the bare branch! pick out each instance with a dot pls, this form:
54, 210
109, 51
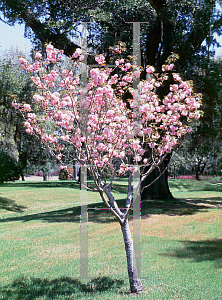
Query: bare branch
112, 201
155, 179
117, 213
153, 166
129, 199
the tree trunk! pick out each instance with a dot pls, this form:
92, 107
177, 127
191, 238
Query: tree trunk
160, 188
134, 280
203, 167
44, 176
23, 177
197, 175
174, 172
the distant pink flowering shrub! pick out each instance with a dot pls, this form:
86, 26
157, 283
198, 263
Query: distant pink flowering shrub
38, 173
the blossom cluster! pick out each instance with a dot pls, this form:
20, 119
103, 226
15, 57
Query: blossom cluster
165, 121
96, 121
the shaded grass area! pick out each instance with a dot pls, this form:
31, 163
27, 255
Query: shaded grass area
199, 251
178, 206
98, 213
181, 246
11, 205
37, 288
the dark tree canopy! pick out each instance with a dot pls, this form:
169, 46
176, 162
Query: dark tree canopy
172, 26
9, 167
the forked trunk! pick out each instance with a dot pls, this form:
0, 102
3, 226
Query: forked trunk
134, 280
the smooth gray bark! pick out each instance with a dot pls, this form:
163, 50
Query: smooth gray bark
134, 280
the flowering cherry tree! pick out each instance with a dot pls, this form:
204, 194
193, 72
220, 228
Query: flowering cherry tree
104, 130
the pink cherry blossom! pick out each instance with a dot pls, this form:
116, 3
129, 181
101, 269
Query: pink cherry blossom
100, 59
27, 107
150, 70
38, 55
16, 105
96, 122
170, 67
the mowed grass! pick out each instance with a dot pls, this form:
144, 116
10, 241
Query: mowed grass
181, 244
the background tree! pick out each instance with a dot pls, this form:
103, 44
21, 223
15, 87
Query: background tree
202, 160
13, 81
204, 145
172, 26
9, 167
180, 26
15, 85
35, 156
63, 174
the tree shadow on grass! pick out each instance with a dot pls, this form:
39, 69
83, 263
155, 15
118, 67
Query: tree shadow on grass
45, 184
179, 207
199, 251
117, 187
65, 287
97, 213
10, 205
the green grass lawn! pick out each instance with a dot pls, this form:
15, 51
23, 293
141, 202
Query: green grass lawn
181, 244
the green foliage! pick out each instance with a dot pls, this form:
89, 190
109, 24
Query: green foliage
178, 26
14, 83
36, 156
9, 169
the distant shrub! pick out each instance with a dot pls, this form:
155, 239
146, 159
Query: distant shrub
187, 177
184, 177
38, 173
9, 168
63, 174
56, 173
